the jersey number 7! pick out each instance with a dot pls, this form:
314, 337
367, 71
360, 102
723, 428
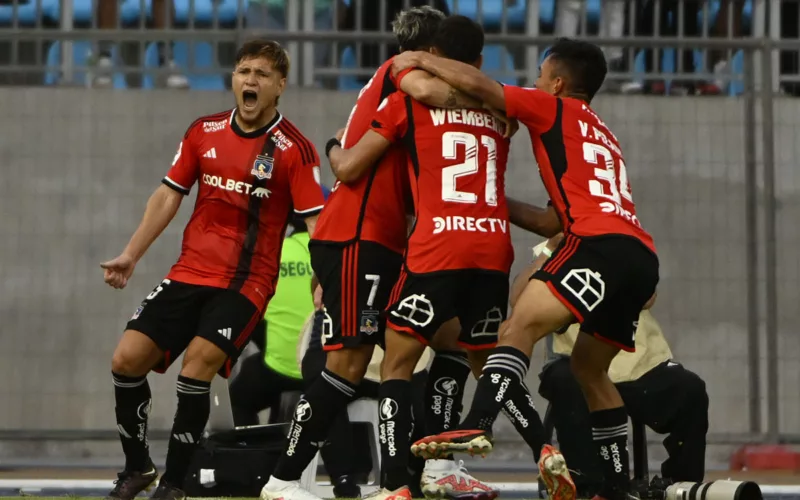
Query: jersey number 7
450, 143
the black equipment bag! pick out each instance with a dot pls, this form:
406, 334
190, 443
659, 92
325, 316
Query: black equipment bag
242, 459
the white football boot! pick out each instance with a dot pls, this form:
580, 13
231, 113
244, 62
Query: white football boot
448, 479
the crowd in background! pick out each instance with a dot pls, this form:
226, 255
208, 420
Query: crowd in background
634, 70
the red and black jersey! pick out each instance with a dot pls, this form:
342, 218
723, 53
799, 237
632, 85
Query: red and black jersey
373, 208
457, 164
248, 185
580, 162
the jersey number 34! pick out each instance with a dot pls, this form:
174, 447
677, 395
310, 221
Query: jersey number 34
470, 166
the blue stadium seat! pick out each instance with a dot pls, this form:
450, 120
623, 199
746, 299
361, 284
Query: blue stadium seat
499, 64
81, 54
737, 61
492, 11
547, 12
348, 60
26, 12
667, 56
130, 11
203, 57
226, 11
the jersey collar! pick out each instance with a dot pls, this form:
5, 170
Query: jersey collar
255, 133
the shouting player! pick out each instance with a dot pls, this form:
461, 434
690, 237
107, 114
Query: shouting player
253, 167
602, 273
357, 253
459, 253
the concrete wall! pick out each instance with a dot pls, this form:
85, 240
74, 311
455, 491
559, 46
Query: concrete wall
77, 168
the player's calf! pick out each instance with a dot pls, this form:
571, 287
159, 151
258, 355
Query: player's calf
395, 426
316, 411
444, 392
132, 360
589, 362
200, 364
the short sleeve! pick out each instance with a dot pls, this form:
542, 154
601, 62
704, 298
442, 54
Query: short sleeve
534, 108
391, 120
185, 168
305, 187
399, 77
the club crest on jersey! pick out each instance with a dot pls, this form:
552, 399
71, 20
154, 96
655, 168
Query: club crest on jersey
369, 322
262, 167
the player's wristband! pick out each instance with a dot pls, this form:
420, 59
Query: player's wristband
331, 143
547, 252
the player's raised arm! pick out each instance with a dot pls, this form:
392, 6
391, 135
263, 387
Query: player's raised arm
161, 209
350, 164
389, 125
542, 221
435, 92
462, 76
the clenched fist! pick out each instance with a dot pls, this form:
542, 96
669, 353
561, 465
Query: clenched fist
117, 271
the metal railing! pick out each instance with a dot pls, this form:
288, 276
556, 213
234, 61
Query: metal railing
317, 32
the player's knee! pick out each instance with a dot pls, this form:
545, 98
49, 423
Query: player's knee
202, 360
586, 370
122, 363
350, 364
135, 355
399, 365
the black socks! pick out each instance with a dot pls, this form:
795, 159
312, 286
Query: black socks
133, 402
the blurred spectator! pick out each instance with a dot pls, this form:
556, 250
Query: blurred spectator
571, 16
728, 24
667, 13
107, 18
369, 19
271, 15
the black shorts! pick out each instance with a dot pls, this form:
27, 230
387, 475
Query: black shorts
174, 313
421, 303
605, 281
356, 281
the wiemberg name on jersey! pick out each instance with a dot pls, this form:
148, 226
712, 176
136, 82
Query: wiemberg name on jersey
467, 117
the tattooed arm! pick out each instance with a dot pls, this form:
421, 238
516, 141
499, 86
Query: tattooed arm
434, 92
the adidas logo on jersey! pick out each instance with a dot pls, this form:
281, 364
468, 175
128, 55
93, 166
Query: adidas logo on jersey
225, 332
211, 153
